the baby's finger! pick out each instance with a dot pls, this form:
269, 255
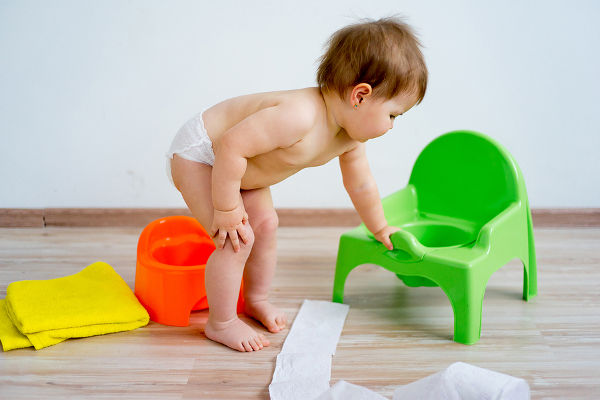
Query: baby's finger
385, 240
221, 239
388, 243
234, 240
241, 230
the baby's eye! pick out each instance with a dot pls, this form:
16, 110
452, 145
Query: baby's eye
392, 116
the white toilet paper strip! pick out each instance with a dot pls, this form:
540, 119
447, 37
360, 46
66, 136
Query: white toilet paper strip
348, 391
300, 389
317, 328
303, 368
461, 381
293, 366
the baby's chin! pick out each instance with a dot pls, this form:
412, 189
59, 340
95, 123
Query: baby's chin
358, 139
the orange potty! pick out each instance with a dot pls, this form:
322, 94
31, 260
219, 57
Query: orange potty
169, 277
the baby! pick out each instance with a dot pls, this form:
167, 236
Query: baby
224, 160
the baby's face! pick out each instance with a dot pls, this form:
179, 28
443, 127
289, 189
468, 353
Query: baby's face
374, 117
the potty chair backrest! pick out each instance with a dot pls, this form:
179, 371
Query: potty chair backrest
465, 175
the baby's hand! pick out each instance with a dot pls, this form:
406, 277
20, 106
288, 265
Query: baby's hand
229, 223
383, 235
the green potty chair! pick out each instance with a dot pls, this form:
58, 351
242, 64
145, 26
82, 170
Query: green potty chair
464, 214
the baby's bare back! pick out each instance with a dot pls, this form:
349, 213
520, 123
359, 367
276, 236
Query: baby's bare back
321, 144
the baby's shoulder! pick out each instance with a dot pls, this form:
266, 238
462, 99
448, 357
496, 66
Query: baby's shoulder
305, 103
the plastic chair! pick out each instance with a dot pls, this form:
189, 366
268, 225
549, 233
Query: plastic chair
169, 277
464, 214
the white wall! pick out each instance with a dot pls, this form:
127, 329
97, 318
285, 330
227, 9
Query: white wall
91, 92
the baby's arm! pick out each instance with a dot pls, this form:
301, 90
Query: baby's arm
361, 187
268, 129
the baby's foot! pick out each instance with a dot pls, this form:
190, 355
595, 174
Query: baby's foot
269, 315
235, 334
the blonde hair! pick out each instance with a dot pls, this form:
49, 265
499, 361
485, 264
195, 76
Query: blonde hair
383, 53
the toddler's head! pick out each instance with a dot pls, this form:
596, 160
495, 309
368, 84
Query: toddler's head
384, 54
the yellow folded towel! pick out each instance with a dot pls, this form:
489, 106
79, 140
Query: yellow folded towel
91, 302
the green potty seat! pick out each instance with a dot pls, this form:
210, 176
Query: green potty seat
463, 215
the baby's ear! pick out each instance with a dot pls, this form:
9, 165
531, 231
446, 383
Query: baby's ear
361, 92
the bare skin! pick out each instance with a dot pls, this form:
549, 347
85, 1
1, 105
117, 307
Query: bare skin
260, 140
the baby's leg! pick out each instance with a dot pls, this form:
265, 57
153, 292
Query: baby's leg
224, 267
260, 266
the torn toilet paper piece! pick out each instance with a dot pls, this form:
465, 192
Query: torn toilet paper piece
293, 366
299, 389
461, 381
317, 328
348, 391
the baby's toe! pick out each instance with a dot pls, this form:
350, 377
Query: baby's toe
264, 340
273, 326
281, 321
240, 347
246, 345
253, 344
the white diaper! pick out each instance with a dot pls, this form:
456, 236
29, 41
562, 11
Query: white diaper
192, 143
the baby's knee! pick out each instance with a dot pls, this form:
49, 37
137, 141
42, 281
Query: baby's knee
266, 224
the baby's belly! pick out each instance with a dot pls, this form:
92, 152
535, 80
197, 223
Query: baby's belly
262, 176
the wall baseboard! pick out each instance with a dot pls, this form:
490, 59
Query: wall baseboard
140, 217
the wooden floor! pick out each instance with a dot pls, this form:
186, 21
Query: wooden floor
393, 335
